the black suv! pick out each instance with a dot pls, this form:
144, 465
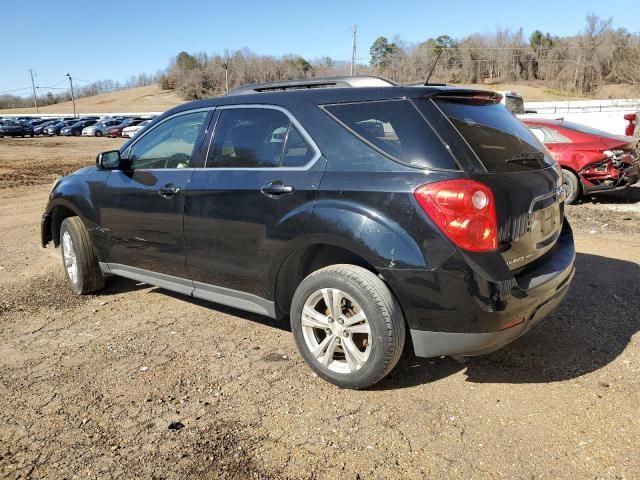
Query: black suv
358, 211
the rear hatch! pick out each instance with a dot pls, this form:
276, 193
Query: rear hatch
523, 176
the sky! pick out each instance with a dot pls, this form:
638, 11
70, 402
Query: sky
118, 39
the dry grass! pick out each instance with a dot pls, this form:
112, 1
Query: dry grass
142, 99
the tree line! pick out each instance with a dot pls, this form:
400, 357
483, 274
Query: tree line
599, 54
581, 63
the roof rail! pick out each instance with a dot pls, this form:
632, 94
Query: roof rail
308, 83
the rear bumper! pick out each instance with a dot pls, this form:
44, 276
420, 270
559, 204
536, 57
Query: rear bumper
460, 309
624, 178
436, 344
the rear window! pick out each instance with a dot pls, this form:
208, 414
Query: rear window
498, 138
397, 129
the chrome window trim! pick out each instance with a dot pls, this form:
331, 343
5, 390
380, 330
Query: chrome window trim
292, 119
140, 136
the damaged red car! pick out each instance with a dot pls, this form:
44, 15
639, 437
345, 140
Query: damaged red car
592, 160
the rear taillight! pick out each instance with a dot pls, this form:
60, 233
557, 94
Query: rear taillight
631, 126
464, 210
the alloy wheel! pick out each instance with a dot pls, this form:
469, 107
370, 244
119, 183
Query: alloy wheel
69, 256
336, 330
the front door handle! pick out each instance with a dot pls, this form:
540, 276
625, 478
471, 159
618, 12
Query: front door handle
277, 187
168, 190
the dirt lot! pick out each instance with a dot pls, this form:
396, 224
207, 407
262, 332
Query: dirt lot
138, 382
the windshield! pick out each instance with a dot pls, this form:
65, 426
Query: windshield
498, 138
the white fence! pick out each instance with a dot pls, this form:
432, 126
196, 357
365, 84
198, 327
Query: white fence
607, 115
585, 106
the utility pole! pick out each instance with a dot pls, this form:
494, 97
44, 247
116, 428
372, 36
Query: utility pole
354, 30
73, 98
226, 75
33, 85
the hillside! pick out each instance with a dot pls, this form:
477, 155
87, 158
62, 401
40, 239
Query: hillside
142, 99
152, 99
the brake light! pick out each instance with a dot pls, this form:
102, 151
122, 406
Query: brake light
464, 210
631, 126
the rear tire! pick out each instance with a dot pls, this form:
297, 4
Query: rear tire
78, 257
363, 344
571, 183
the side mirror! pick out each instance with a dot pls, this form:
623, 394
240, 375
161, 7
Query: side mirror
109, 160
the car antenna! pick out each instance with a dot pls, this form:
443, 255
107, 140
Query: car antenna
426, 82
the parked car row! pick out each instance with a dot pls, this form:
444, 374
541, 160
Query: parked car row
89, 126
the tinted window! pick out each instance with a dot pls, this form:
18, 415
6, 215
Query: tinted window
248, 138
499, 139
396, 128
170, 144
297, 152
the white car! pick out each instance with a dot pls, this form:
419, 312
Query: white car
99, 129
132, 130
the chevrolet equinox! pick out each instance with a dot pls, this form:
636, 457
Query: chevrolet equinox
364, 211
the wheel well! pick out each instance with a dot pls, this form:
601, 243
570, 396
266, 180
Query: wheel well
58, 214
305, 261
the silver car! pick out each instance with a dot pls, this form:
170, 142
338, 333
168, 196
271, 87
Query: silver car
129, 132
99, 129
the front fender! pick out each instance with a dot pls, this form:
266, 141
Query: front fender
78, 193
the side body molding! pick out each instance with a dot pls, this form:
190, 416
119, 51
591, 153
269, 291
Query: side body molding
212, 293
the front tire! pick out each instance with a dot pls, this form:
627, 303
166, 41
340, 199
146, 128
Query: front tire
78, 257
571, 183
98, 133
347, 325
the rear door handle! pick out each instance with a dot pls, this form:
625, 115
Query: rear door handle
277, 187
168, 190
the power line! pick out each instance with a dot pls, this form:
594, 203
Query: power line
16, 90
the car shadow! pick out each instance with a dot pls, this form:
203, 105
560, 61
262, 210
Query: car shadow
630, 196
590, 329
282, 324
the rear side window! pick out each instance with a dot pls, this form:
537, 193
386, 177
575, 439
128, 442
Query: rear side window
257, 138
397, 129
297, 151
548, 135
498, 138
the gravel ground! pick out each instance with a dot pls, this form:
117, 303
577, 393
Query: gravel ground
138, 382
